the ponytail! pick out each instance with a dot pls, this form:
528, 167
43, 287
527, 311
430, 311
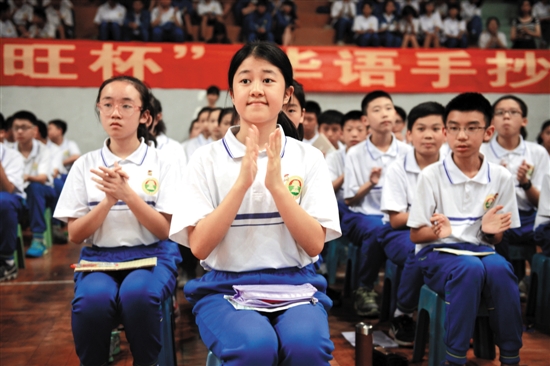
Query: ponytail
143, 132
288, 127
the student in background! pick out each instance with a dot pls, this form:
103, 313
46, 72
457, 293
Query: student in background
364, 180
166, 23
7, 28
210, 13
492, 37
541, 11
260, 24
399, 125
409, 25
40, 26
330, 125
203, 138
389, 26
542, 222
212, 95
60, 15
342, 14
430, 25
286, 20
464, 203
311, 121
219, 35
194, 129
295, 108
41, 132
21, 15
454, 29
68, 149
365, 27
470, 12
425, 131
137, 22
525, 28
543, 137
225, 121
110, 18
12, 194
213, 123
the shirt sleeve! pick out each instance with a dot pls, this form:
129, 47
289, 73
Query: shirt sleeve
332, 164
44, 161
506, 191
541, 168
73, 201
169, 182
352, 181
14, 169
394, 194
73, 148
423, 207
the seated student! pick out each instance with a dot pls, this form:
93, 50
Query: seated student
470, 11
194, 129
342, 14
67, 149
11, 195
541, 11
225, 121
425, 131
464, 202
286, 20
219, 34
212, 95
203, 138
389, 32
400, 118
166, 23
542, 222
7, 28
21, 15
248, 226
40, 26
454, 29
543, 137
60, 15
41, 132
295, 108
525, 28
137, 22
109, 18
430, 25
37, 177
260, 24
120, 201
210, 12
330, 125
492, 38
526, 161
409, 25
212, 123
365, 27
311, 122
363, 183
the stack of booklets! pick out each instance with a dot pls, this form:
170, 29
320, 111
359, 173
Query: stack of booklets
271, 298
89, 266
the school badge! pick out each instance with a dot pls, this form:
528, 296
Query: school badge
295, 185
490, 201
150, 184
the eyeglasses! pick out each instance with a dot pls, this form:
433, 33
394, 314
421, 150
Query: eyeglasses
125, 109
511, 112
468, 131
23, 128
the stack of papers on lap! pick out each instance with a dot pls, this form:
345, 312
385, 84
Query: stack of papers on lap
90, 266
271, 298
463, 252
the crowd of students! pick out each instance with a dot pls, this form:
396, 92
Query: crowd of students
443, 201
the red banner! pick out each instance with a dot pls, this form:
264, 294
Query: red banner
320, 69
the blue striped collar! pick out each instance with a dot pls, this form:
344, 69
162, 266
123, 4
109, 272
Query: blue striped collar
455, 175
137, 157
500, 152
235, 149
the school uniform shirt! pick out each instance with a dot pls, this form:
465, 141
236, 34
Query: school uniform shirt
65, 16
167, 16
485, 38
48, 31
336, 162
543, 212
23, 15
213, 7
110, 15
45, 3
13, 163
7, 29
443, 188
172, 148
452, 27
533, 154
38, 162
152, 176
541, 11
258, 238
360, 23
400, 187
360, 160
193, 144
409, 28
311, 140
9, 145
67, 149
429, 23
469, 10
388, 22
349, 9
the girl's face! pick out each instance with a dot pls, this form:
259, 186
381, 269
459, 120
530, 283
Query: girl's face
212, 124
195, 131
429, 8
508, 118
545, 136
120, 110
453, 12
259, 91
225, 123
367, 11
294, 111
390, 7
493, 26
526, 7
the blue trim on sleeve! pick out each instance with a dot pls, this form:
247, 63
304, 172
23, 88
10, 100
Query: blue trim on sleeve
252, 216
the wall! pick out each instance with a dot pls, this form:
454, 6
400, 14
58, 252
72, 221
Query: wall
77, 107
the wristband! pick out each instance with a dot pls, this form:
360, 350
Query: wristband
526, 186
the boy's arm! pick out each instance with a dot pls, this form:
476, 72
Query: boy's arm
440, 229
5, 184
338, 183
365, 188
398, 219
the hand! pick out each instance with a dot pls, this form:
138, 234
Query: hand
523, 171
25, 177
249, 164
273, 179
441, 225
495, 223
113, 182
375, 175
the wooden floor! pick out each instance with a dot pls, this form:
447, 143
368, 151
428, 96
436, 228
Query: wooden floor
35, 322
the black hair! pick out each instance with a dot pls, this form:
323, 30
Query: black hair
225, 112
330, 117
372, 96
386, 4
192, 124
457, 7
204, 109
423, 6
155, 110
216, 109
26, 115
299, 93
39, 12
544, 126
3, 124
521, 103
523, 132
59, 123
351, 115
401, 112
470, 102
4, 7
313, 107
424, 110
409, 10
9, 122
520, 4
213, 89
42, 128
144, 93
490, 19
274, 55
369, 3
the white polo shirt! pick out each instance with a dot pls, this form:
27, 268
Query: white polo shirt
400, 186
152, 177
388, 22
543, 212
533, 154
444, 150
336, 162
360, 23
67, 149
360, 160
469, 10
429, 23
166, 17
193, 144
258, 238
38, 162
65, 14
409, 28
172, 148
349, 8
541, 11
111, 15
452, 27
23, 15
212, 7
311, 140
7, 29
443, 188
12, 163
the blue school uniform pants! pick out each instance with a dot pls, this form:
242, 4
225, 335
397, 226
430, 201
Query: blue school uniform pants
296, 336
363, 232
110, 31
400, 250
10, 207
103, 300
522, 235
39, 196
542, 238
462, 281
